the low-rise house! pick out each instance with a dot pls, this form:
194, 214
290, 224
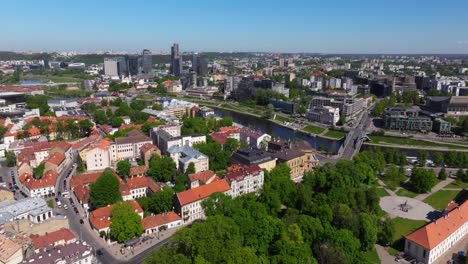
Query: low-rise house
141, 186
254, 138
188, 203
157, 223
201, 178
138, 171
43, 187
147, 151
183, 156
245, 179
11, 250
224, 133
56, 238
73, 253
431, 241
99, 219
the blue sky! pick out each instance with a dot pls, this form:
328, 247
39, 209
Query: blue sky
331, 26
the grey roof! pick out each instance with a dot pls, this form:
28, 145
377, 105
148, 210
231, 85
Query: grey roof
70, 253
33, 205
187, 151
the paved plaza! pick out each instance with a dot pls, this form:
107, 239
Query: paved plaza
404, 207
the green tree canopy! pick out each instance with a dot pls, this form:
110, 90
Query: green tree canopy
123, 168
105, 190
162, 169
125, 223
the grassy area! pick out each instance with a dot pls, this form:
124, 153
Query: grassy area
241, 108
283, 119
381, 192
314, 129
371, 256
391, 183
402, 228
411, 142
406, 192
440, 199
58, 79
145, 97
458, 184
335, 134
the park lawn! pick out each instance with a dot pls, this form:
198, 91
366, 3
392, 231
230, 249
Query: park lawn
403, 227
59, 79
381, 192
392, 184
314, 129
145, 96
411, 142
371, 256
458, 184
283, 119
335, 134
406, 193
440, 199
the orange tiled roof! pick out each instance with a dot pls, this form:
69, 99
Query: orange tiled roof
432, 234
51, 238
100, 218
34, 131
160, 219
31, 183
202, 192
147, 147
137, 182
203, 176
138, 170
56, 158
238, 172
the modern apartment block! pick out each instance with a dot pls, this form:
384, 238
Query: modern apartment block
407, 119
348, 105
245, 179
324, 114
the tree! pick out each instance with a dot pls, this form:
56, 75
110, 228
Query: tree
214, 151
461, 175
190, 168
368, 231
125, 222
100, 117
10, 158
116, 121
231, 146
105, 190
123, 168
438, 158
442, 174
162, 201
80, 165
162, 169
422, 180
386, 231
422, 157
39, 171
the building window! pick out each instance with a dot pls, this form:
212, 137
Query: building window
424, 253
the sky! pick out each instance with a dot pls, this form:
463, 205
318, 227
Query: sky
317, 26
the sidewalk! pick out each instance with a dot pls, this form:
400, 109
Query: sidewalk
436, 188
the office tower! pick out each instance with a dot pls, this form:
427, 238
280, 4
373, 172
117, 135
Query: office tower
199, 64
132, 64
115, 66
146, 61
46, 63
176, 60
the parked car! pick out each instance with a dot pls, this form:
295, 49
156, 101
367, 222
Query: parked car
81, 221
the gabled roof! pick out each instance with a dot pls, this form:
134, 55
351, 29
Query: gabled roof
432, 234
238, 172
159, 220
49, 239
202, 192
202, 176
100, 218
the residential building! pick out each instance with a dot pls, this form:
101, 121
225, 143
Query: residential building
201, 178
99, 219
74, 253
299, 156
224, 133
245, 179
169, 135
253, 156
128, 147
147, 151
33, 209
157, 223
254, 138
141, 186
11, 250
59, 237
431, 241
324, 114
188, 203
97, 156
65, 102
348, 105
406, 119
185, 155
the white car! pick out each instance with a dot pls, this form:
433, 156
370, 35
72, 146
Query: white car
65, 206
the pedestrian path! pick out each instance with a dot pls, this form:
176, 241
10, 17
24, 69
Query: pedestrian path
384, 256
436, 188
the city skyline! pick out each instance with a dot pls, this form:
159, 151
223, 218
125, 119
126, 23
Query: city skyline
360, 27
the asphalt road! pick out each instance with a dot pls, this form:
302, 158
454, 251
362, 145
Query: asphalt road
356, 137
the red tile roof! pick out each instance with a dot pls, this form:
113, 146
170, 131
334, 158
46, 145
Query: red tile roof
49, 239
432, 234
56, 158
160, 219
238, 172
202, 192
147, 147
31, 183
139, 170
100, 218
203, 176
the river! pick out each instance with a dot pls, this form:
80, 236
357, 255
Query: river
276, 130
